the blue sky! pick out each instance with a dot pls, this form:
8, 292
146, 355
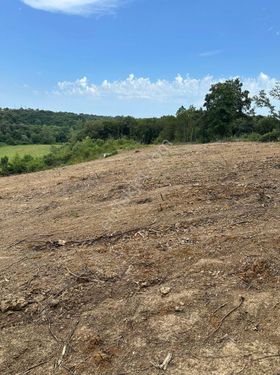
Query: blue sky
137, 57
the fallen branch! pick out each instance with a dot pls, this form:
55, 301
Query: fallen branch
219, 308
107, 237
85, 276
17, 243
12, 264
225, 317
34, 366
266, 357
243, 368
90, 241
51, 332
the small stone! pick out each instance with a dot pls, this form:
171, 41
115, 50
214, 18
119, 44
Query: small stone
179, 308
144, 284
165, 290
4, 306
256, 327
61, 243
54, 302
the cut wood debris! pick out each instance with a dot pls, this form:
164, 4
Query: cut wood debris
164, 365
151, 264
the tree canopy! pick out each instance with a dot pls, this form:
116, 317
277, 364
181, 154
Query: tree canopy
226, 113
225, 103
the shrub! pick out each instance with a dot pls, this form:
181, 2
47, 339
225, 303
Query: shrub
71, 153
272, 136
4, 165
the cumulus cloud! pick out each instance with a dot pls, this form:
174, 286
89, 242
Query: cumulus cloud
187, 89
78, 7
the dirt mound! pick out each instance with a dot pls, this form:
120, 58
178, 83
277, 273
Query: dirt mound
161, 261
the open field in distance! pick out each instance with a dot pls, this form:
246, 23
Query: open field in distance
21, 150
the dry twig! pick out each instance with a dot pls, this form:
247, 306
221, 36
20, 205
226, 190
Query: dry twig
164, 365
219, 308
225, 317
266, 357
65, 346
33, 367
51, 332
12, 264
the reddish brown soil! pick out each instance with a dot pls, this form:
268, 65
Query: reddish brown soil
107, 267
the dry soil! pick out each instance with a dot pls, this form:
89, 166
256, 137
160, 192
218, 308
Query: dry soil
112, 267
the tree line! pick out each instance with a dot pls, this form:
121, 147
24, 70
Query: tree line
228, 113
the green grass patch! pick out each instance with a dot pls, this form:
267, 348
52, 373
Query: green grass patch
66, 154
21, 150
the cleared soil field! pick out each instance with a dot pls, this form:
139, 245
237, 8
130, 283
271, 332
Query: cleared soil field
161, 260
21, 150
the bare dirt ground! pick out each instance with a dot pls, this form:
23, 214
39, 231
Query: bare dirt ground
164, 260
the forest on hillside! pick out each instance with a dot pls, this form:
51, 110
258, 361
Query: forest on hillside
228, 113
29, 126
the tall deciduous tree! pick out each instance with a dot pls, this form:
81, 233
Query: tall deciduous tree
186, 123
225, 103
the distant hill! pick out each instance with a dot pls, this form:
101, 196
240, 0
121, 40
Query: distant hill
23, 126
43, 117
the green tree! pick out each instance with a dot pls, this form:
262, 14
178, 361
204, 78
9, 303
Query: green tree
168, 125
186, 124
264, 100
225, 103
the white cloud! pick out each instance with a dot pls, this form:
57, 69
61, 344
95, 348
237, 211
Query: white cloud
181, 89
78, 7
